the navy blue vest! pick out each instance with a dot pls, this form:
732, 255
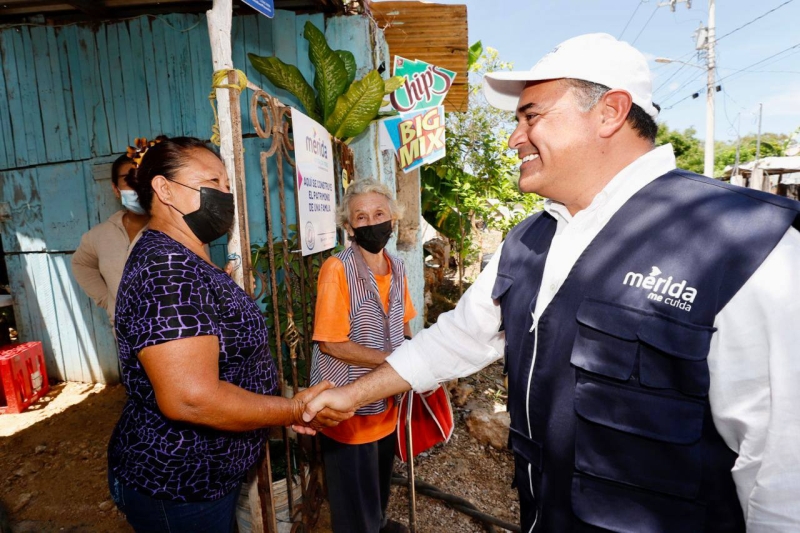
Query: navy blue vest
611, 427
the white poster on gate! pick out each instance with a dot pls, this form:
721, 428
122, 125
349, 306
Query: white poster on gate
315, 187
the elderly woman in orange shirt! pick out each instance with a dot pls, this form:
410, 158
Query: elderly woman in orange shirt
362, 314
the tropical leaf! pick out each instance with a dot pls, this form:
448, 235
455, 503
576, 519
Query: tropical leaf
330, 73
287, 77
394, 83
349, 61
475, 52
357, 107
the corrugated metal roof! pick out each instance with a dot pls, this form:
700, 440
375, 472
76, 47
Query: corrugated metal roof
434, 33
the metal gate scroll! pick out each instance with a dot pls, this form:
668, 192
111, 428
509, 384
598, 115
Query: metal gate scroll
287, 285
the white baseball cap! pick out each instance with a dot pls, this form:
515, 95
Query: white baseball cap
594, 57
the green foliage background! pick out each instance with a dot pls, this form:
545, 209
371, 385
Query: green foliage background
477, 179
689, 150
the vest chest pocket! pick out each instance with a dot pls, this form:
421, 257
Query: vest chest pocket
655, 351
640, 412
673, 356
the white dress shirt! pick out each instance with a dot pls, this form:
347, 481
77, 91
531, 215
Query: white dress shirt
754, 360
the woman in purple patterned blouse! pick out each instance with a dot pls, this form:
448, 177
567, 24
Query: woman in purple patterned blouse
194, 355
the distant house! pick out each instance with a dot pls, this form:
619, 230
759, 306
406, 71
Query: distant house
779, 175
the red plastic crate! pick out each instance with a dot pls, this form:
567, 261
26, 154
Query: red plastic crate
23, 377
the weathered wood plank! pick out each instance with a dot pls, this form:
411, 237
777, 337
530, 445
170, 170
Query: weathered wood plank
256, 216
132, 64
151, 76
171, 67
8, 54
47, 101
6, 137
94, 108
64, 213
30, 97
178, 58
60, 121
118, 122
107, 62
200, 51
74, 96
101, 200
165, 82
73, 313
105, 344
24, 232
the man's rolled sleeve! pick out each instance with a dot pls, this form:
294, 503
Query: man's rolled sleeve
461, 342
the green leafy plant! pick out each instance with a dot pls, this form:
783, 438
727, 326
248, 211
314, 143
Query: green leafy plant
343, 105
476, 182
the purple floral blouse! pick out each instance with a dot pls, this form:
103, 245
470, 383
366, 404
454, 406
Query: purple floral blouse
167, 292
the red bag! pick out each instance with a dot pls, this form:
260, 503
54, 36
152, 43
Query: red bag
431, 421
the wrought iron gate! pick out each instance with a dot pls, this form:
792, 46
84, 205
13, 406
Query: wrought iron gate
286, 285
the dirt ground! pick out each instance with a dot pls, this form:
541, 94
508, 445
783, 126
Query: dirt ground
53, 462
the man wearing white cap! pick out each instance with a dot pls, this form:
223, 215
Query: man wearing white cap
647, 317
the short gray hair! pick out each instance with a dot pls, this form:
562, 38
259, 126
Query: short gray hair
588, 94
365, 186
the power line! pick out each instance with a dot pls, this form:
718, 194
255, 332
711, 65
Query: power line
683, 66
745, 69
754, 20
678, 90
653, 14
678, 102
630, 19
759, 62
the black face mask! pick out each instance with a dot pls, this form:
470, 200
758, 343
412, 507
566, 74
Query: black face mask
373, 238
215, 216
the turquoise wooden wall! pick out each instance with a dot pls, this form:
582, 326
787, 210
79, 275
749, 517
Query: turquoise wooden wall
74, 97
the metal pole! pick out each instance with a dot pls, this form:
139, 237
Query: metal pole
738, 148
708, 167
758, 138
412, 493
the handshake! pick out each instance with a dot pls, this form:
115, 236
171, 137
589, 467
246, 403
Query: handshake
320, 406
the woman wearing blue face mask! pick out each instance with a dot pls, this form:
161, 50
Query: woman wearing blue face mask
98, 262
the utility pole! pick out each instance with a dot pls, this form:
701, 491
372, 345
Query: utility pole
758, 138
706, 38
708, 167
738, 145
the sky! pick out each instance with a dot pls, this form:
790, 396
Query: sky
525, 30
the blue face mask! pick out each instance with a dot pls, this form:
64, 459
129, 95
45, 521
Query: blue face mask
130, 201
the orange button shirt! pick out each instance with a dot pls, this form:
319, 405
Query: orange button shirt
332, 324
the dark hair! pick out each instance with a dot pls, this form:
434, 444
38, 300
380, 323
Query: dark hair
165, 158
118, 162
589, 93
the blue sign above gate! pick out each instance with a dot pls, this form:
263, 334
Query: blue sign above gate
265, 7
